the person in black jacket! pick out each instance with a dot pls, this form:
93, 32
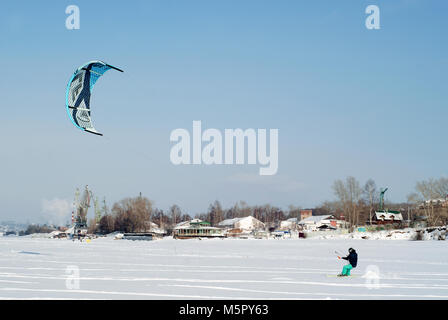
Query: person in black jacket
352, 262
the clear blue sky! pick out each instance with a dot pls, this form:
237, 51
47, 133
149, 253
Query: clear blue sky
346, 100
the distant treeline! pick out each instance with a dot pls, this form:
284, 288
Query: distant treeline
357, 203
354, 202
35, 228
134, 214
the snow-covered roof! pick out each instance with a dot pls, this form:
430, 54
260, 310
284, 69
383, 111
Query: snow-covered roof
315, 219
384, 215
182, 224
194, 222
292, 220
158, 230
230, 222
436, 200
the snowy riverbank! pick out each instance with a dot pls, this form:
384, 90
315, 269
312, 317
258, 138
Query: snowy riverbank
435, 233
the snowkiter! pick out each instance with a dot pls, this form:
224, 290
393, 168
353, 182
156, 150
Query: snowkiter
352, 262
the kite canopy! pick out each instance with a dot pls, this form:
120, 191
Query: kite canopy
79, 89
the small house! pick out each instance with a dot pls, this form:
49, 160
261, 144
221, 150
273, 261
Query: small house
387, 217
315, 223
248, 223
290, 224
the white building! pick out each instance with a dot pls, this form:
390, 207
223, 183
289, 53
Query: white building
315, 223
196, 228
156, 229
289, 224
435, 202
246, 224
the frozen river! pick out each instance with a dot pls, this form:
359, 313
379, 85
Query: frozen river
33, 268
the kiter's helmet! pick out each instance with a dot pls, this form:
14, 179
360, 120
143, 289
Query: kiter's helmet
351, 250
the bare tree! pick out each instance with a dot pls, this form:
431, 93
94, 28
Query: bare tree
349, 196
133, 214
341, 194
294, 211
215, 213
370, 192
175, 213
441, 187
107, 224
92, 225
329, 207
161, 219
413, 202
429, 193
355, 191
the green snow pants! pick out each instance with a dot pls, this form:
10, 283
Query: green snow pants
346, 270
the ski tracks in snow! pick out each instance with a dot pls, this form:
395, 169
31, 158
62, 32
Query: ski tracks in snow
234, 269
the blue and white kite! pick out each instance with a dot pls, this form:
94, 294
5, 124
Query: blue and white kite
79, 89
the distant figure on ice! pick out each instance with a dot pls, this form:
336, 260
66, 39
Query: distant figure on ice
352, 262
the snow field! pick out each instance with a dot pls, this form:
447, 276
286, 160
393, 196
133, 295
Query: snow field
33, 268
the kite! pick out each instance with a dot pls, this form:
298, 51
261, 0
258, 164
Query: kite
79, 90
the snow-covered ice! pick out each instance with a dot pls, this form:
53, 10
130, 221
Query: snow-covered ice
36, 268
